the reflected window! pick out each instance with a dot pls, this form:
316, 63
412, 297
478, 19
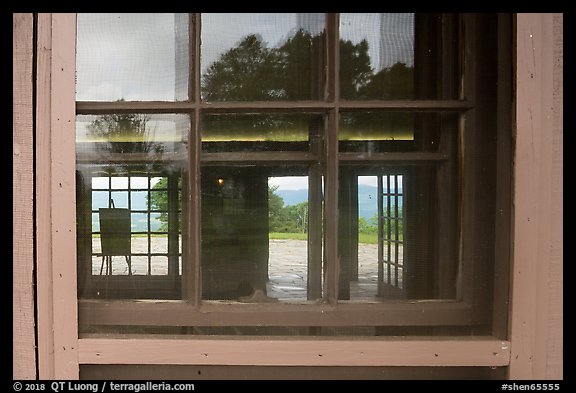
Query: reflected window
255, 234
131, 234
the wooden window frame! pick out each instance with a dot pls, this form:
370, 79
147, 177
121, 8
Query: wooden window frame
61, 351
192, 311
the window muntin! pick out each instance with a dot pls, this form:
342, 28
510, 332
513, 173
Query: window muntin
431, 166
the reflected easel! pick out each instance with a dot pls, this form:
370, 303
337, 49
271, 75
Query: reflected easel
114, 236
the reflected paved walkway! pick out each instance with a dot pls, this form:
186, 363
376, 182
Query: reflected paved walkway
287, 267
288, 271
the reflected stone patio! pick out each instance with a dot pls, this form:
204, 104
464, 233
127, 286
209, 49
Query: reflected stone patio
287, 267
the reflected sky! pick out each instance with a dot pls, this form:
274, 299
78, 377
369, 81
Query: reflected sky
143, 56
129, 56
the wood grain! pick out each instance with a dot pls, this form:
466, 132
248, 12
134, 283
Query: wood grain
452, 351
23, 339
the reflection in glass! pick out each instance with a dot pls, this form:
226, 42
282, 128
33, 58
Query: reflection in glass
379, 271
119, 198
288, 245
376, 132
254, 234
262, 57
151, 136
119, 182
371, 130
139, 200
132, 57
391, 219
130, 163
376, 56
259, 132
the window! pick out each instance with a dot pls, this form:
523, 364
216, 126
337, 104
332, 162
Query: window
289, 174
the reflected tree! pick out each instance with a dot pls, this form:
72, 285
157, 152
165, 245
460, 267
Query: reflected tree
124, 133
253, 72
248, 72
395, 82
355, 69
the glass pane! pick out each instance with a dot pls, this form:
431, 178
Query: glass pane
158, 222
129, 157
138, 183
132, 57
159, 266
377, 132
398, 56
119, 182
287, 237
158, 199
100, 199
139, 222
100, 183
259, 132
255, 234
119, 198
262, 57
390, 229
139, 263
139, 200
376, 56
151, 137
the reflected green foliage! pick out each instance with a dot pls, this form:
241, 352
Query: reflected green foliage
123, 133
253, 72
159, 201
396, 82
370, 226
286, 219
260, 127
355, 69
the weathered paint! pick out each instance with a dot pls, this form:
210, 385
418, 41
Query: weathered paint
536, 303
452, 351
23, 339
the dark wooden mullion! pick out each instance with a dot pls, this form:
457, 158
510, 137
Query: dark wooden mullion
173, 224
149, 234
260, 157
192, 275
314, 283
193, 82
388, 232
464, 287
177, 313
331, 257
407, 105
396, 234
96, 107
446, 183
380, 199
503, 179
404, 158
